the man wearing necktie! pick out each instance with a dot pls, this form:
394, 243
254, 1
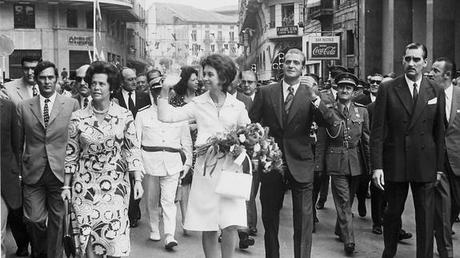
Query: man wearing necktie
42, 126
447, 194
407, 148
288, 108
83, 95
133, 100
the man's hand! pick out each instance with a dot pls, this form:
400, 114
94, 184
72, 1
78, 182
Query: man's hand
377, 179
170, 80
311, 85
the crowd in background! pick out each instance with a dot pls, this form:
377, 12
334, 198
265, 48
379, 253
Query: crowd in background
107, 137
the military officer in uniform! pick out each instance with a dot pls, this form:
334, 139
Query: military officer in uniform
344, 157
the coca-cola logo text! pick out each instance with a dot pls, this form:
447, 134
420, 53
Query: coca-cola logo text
325, 50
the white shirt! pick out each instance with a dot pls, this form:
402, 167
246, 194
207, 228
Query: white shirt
334, 93
410, 84
30, 89
373, 97
153, 133
253, 96
286, 91
210, 121
449, 94
82, 101
50, 104
125, 94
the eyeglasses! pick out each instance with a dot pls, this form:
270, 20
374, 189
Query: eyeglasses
415, 59
247, 82
79, 79
375, 82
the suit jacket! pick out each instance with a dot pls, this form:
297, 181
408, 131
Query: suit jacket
364, 99
245, 99
42, 145
11, 184
142, 100
17, 90
407, 142
293, 135
453, 133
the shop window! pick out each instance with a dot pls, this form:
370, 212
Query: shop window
24, 16
193, 35
287, 12
89, 19
272, 16
231, 35
72, 18
350, 42
15, 61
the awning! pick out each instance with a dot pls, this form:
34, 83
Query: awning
313, 3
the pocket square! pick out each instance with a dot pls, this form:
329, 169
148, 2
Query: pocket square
458, 110
432, 101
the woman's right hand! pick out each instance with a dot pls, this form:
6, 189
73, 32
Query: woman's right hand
170, 80
65, 194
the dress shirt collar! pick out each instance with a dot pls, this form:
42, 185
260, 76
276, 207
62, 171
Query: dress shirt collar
286, 86
410, 83
230, 100
449, 92
373, 97
52, 98
125, 94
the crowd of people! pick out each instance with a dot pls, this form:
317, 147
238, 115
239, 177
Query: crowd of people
112, 136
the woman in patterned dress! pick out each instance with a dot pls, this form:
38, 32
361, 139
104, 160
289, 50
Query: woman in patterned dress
102, 149
184, 91
215, 112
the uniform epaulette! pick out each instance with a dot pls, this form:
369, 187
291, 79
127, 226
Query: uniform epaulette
144, 108
359, 104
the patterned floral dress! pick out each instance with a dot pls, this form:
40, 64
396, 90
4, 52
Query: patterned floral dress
99, 155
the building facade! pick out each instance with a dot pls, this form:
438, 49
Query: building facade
62, 31
183, 34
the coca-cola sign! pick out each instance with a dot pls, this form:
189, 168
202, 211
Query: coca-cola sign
323, 48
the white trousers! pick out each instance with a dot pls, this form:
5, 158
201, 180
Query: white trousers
161, 190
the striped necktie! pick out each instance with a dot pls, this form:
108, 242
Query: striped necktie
289, 99
46, 114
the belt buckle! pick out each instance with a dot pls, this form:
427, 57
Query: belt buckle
345, 144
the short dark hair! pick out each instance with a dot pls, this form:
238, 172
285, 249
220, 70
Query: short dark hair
149, 73
30, 59
240, 74
225, 67
415, 45
449, 66
186, 72
44, 65
105, 68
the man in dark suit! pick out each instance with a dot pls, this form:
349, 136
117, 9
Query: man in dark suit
133, 100
288, 108
442, 72
11, 184
42, 125
407, 147
83, 95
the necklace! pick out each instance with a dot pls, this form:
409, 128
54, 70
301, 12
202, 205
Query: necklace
101, 112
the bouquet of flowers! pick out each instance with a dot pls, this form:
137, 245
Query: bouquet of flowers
252, 141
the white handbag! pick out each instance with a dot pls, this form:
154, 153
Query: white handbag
232, 183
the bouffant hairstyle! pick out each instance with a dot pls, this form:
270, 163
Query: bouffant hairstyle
226, 69
42, 66
110, 70
186, 72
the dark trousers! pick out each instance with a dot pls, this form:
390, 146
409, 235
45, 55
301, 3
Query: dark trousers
378, 205
442, 226
18, 228
324, 188
343, 190
134, 212
251, 204
396, 194
454, 182
44, 213
271, 197
363, 187
320, 177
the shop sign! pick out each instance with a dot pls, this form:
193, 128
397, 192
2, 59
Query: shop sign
287, 30
323, 48
80, 41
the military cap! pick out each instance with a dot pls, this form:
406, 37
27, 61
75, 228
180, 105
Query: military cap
336, 70
346, 78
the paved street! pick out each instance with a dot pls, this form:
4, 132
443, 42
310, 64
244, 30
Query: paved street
325, 243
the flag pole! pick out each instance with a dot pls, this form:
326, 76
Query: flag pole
94, 29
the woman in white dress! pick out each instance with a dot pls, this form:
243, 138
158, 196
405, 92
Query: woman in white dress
215, 112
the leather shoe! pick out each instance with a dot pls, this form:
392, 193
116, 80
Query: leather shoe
377, 230
320, 205
246, 242
404, 235
362, 208
22, 252
349, 248
170, 242
133, 224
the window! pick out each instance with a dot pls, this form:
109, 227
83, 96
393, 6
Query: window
272, 16
231, 34
89, 19
24, 16
219, 26
287, 12
15, 61
206, 35
350, 43
72, 18
193, 35
213, 48
219, 36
